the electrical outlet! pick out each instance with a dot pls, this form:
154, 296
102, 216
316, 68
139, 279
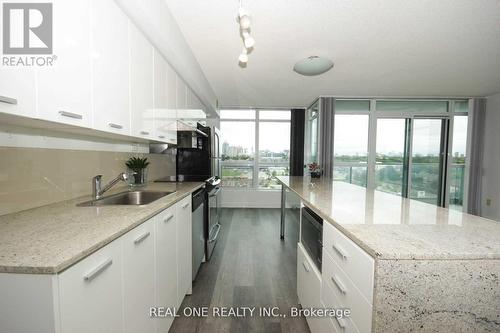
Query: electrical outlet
488, 202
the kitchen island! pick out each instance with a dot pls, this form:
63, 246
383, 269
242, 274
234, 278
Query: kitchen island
433, 269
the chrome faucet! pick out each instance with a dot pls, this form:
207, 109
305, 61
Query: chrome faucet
98, 190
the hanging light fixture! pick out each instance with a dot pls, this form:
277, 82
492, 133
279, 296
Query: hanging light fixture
243, 58
244, 21
248, 40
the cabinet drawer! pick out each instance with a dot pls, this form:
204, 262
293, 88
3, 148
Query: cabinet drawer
91, 293
355, 262
339, 290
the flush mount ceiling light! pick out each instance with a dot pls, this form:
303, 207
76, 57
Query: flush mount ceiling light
243, 19
313, 65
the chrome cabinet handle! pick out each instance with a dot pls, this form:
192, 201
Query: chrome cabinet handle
98, 270
8, 100
341, 322
340, 251
117, 126
185, 205
216, 192
339, 284
306, 267
144, 133
70, 115
141, 238
171, 216
213, 239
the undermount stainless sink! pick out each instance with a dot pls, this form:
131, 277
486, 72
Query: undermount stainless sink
129, 198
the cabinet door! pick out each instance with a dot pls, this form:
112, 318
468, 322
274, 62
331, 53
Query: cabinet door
184, 248
90, 293
110, 67
64, 90
181, 96
166, 265
309, 288
164, 115
141, 84
172, 104
138, 278
18, 91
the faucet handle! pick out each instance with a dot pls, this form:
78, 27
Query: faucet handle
98, 177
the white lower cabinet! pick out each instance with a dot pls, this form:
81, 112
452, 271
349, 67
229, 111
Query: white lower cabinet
166, 265
184, 249
309, 288
139, 278
113, 289
90, 293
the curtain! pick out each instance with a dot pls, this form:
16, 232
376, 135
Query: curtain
476, 156
297, 124
326, 127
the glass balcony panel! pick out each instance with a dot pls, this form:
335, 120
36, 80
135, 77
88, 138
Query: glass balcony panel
237, 176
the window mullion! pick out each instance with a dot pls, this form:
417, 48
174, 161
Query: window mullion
257, 156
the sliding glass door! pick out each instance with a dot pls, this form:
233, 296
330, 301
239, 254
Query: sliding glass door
409, 157
391, 160
426, 163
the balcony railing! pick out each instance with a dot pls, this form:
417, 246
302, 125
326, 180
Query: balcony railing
425, 185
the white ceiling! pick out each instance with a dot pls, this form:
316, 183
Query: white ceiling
380, 48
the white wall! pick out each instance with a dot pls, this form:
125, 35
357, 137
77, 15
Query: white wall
491, 162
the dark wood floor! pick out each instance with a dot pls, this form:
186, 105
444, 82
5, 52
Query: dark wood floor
249, 267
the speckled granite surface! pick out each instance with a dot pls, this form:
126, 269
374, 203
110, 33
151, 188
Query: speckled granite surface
436, 270
388, 226
437, 296
48, 239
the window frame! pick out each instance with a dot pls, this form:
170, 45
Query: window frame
256, 163
450, 113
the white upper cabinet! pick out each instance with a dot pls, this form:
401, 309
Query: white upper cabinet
165, 115
18, 91
64, 90
141, 85
110, 67
181, 94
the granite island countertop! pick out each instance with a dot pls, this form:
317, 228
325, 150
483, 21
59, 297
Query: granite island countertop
49, 239
388, 226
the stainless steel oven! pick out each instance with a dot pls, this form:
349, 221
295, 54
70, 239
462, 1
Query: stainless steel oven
213, 225
311, 235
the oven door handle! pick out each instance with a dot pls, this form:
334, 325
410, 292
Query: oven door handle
213, 239
215, 192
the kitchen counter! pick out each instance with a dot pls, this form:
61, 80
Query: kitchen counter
434, 269
388, 226
49, 239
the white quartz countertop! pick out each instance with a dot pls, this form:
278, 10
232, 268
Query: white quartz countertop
388, 226
49, 239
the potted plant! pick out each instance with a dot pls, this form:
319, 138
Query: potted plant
314, 170
138, 170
